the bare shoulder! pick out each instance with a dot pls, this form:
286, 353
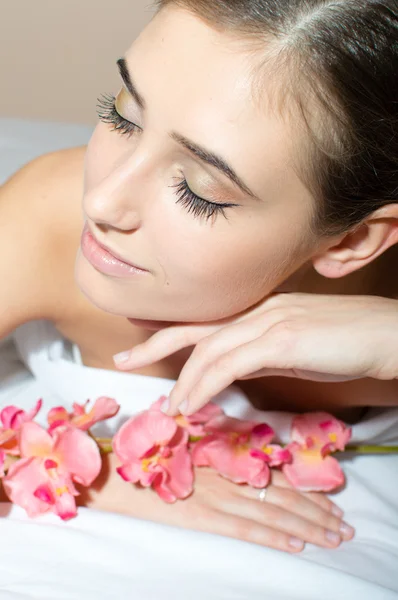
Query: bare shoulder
40, 216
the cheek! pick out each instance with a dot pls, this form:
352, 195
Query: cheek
226, 267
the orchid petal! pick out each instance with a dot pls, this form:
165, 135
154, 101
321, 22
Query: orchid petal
104, 408
162, 489
261, 435
279, 455
179, 468
158, 404
129, 472
309, 471
29, 416
34, 441
79, 409
44, 493
141, 433
7, 414
65, 506
59, 414
9, 442
196, 424
224, 424
199, 454
206, 413
78, 454
23, 479
17, 420
237, 466
2, 460
63, 494
321, 427
56, 425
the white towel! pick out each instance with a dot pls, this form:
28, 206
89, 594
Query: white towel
101, 555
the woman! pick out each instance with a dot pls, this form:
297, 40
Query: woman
252, 149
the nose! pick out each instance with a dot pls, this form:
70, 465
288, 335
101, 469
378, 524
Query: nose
116, 202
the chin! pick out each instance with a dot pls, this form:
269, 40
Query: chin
91, 284
103, 294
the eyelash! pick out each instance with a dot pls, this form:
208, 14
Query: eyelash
195, 205
107, 113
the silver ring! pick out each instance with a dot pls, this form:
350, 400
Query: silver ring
262, 494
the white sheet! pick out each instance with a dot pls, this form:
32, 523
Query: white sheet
22, 140
101, 555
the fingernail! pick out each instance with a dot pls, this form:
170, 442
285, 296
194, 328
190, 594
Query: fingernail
165, 406
346, 530
184, 407
121, 358
296, 543
333, 537
337, 512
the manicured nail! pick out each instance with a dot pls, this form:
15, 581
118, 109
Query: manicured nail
337, 512
121, 358
165, 406
347, 531
296, 543
333, 537
184, 407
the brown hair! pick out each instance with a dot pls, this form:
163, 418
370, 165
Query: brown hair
343, 53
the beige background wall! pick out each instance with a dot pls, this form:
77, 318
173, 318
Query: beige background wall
58, 56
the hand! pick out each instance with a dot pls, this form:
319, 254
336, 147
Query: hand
307, 336
285, 521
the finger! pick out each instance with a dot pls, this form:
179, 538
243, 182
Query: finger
207, 351
288, 522
172, 339
301, 505
293, 501
279, 480
161, 344
324, 502
225, 370
247, 530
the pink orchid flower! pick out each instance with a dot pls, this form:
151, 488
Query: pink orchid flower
240, 451
314, 437
2, 461
104, 408
194, 424
12, 419
154, 453
42, 480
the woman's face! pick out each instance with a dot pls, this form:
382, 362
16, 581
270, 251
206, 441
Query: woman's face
240, 232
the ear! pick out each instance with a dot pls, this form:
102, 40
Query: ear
355, 249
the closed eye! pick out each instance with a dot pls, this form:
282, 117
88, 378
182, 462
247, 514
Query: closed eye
107, 113
197, 206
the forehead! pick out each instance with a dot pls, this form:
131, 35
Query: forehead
199, 82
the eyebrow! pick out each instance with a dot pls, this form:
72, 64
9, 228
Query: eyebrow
212, 159
125, 75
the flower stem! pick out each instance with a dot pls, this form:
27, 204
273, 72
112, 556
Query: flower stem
105, 446
372, 449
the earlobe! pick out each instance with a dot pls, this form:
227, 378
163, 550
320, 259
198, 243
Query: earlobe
360, 246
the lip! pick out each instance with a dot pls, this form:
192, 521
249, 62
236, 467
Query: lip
104, 259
